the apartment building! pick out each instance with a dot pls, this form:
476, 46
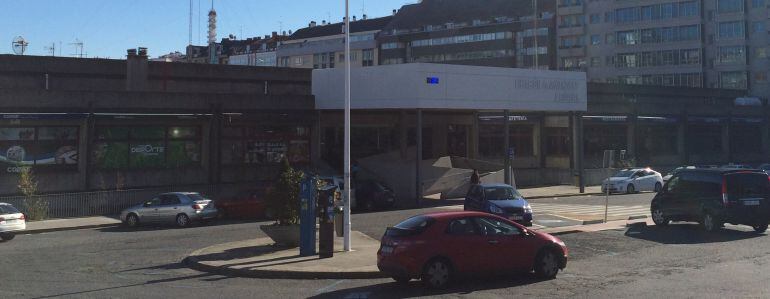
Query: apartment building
692, 43
321, 46
484, 32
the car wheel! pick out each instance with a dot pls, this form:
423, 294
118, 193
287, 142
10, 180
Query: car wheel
7, 236
659, 217
630, 189
182, 220
658, 187
760, 228
709, 223
437, 274
546, 264
401, 279
132, 220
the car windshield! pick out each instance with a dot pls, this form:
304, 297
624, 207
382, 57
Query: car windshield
501, 193
624, 173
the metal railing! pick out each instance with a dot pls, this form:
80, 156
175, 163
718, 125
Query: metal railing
100, 203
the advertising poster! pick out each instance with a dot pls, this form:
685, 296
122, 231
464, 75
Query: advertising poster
149, 154
111, 155
183, 153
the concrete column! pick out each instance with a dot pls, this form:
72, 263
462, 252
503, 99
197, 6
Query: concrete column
418, 161
631, 137
578, 157
507, 145
681, 142
403, 132
315, 140
215, 129
473, 137
539, 135
726, 154
440, 140
85, 149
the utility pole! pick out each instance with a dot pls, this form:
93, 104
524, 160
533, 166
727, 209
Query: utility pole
348, 186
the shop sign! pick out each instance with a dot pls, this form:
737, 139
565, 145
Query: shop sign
147, 150
606, 118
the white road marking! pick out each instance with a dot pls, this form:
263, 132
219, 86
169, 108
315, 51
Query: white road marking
329, 287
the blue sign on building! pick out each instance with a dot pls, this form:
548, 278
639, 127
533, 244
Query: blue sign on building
432, 80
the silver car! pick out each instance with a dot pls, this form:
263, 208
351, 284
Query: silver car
11, 221
178, 207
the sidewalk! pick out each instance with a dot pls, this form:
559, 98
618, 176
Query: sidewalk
36, 227
257, 258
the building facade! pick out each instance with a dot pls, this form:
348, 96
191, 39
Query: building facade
693, 43
323, 46
496, 33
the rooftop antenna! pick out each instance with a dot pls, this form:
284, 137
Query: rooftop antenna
19, 45
51, 49
79, 45
212, 24
190, 28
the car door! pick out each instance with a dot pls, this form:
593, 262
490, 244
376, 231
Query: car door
149, 212
507, 250
467, 249
650, 179
667, 199
169, 207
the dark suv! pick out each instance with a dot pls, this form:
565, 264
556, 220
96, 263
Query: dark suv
714, 197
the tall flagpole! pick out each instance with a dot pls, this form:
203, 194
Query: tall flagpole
348, 186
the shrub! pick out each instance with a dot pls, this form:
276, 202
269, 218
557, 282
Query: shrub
283, 199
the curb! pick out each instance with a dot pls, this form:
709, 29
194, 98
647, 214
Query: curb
563, 195
195, 264
58, 229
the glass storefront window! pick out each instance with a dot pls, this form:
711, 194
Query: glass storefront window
265, 145
141, 147
39, 145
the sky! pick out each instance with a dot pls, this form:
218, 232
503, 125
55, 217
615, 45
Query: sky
108, 27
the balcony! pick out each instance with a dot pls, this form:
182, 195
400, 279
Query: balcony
572, 51
570, 10
571, 30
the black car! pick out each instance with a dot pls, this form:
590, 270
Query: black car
373, 195
714, 197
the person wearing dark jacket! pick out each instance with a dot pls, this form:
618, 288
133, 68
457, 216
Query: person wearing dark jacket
475, 178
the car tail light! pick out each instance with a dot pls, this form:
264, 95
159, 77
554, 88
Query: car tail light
22, 217
725, 200
2, 219
197, 207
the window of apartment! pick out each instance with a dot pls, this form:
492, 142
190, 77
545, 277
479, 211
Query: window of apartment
733, 80
368, 57
609, 17
630, 37
627, 60
576, 20
298, 60
330, 58
690, 56
732, 55
689, 9
284, 62
596, 39
575, 41
729, 6
573, 63
762, 53
394, 45
628, 15
757, 3
758, 27
609, 38
460, 39
596, 61
610, 61
596, 18
760, 77
669, 10
651, 35
730, 30
392, 61
668, 57
564, 3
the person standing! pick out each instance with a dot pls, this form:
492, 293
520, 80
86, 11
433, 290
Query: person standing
475, 178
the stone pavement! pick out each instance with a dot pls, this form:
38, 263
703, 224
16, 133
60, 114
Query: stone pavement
259, 259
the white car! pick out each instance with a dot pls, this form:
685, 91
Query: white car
11, 221
634, 180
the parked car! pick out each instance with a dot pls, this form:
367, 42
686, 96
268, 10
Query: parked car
764, 167
11, 221
439, 247
714, 197
736, 166
180, 208
675, 171
499, 199
374, 195
634, 180
246, 204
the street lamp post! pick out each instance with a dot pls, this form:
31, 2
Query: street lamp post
346, 191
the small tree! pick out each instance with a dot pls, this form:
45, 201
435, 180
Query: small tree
36, 207
283, 199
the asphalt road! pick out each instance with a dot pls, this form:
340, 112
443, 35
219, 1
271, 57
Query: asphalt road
678, 261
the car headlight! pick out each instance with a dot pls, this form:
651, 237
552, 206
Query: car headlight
528, 209
495, 209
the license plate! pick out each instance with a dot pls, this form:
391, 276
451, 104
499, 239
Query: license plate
751, 202
386, 249
517, 217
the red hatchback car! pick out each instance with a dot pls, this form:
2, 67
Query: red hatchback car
437, 247
248, 204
